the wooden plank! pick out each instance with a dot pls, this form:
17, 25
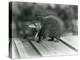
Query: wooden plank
56, 49
45, 48
71, 40
41, 49
20, 48
66, 43
30, 49
15, 53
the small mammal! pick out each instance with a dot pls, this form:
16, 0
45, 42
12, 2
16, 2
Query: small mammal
52, 26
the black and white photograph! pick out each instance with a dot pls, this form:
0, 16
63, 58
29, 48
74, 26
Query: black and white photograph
42, 30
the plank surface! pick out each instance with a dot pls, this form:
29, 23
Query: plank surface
57, 48
21, 49
15, 53
71, 40
42, 50
30, 49
45, 48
